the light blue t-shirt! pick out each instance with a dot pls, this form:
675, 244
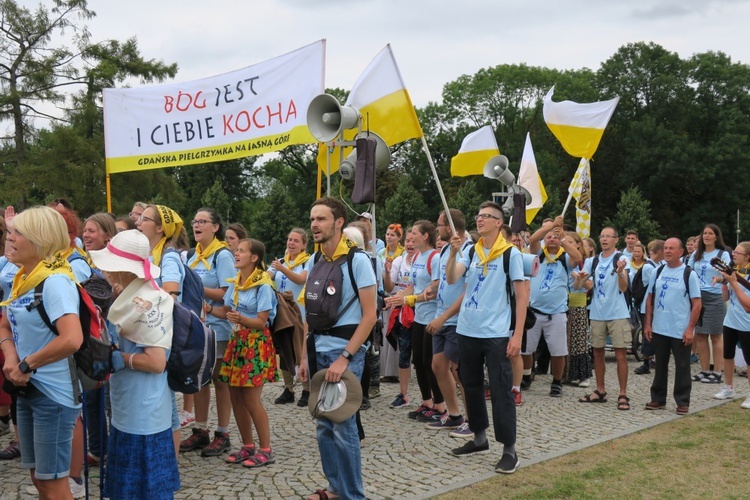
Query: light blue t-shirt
448, 294
171, 270
549, 288
485, 311
60, 297
8, 272
671, 303
737, 317
607, 301
283, 283
648, 274
251, 302
216, 277
141, 401
705, 272
81, 269
365, 277
424, 311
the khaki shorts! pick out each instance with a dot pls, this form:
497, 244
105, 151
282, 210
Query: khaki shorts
618, 330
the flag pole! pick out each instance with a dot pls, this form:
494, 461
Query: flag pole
440, 188
571, 189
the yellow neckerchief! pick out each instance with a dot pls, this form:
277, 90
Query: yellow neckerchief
300, 259
498, 248
22, 282
744, 271
399, 250
80, 250
635, 266
551, 259
67, 253
341, 249
202, 255
158, 250
257, 278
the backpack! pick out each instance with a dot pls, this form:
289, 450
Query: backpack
637, 288
192, 295
92, 363
530, 316
323, 291
686, 279
193, 353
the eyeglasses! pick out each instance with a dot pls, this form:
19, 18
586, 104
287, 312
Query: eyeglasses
605, 236
735, 252
200, 222
134, 215
486, 216
142, 217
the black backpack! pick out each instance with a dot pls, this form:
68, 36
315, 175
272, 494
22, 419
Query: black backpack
637, 288
323, 291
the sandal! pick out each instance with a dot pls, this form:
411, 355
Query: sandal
241, 455
259, 459
323, 495
623, 402
601, 397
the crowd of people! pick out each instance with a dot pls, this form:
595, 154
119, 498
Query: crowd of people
463, 308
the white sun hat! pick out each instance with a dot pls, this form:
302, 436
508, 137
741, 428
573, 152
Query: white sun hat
128, 251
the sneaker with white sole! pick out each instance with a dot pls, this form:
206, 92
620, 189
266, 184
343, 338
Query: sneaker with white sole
508, 464
746, 404
78, 490
726, 392
401, 401
186, 418
584, 383
463, 431
447, 422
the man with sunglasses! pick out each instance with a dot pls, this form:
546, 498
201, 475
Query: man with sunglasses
484, 331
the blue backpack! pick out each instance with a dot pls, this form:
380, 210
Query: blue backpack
192, 295
193, 354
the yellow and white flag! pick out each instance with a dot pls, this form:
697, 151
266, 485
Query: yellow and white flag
384, 103
578, 127
528, 177
476, 149
580, 188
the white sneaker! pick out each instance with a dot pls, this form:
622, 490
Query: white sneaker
746, 404
726, 392
31, 490
78, 490
186, 418
584, 383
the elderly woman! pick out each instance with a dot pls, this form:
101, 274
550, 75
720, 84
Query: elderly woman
141, 460
35, 357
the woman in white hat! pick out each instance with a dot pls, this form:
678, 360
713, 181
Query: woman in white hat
141, 461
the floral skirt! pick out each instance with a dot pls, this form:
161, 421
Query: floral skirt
250, 359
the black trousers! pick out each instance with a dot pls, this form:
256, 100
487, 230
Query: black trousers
421, 348
473, 354
663, 347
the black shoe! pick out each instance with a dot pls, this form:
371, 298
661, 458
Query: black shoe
218, 446
525, 382
508, 464
555, 390
642, 370
286, 397
303, 398
365, 405
470, 447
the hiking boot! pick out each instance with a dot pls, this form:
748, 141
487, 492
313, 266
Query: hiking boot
712, 378
374, 392
13, 451
525, 382
700, 376
422, 408
726, 392
642, 370
432, 415
197, 440
400, 401
447, 422
517, 397
508, 464
218, 446
470, 447
365, 405
463, 431
682, 409
304, 398
655, 405
286, 397
555, 391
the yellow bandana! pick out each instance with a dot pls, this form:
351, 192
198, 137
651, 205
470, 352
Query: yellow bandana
551, 259
171, 223
341, 249
203, 255
498, 248
744, 271
22, 282
257, 278
399, 250
298, 261
635, 266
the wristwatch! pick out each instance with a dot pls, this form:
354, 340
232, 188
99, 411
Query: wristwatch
24, 367
346, 355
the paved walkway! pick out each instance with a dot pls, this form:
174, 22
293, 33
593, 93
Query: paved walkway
402, 458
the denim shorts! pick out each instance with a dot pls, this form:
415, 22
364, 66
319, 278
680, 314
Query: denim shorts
446, 342
175, 414
45, 429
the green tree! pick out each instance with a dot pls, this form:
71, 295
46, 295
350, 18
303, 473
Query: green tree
405, 206
634, 212
218, 199
467, 200
272, 217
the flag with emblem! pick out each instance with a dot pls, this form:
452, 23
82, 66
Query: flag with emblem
580, 189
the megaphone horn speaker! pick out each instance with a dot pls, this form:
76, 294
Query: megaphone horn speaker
327, 118
497, 168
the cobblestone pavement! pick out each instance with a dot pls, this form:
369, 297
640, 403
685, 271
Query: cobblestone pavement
402, 458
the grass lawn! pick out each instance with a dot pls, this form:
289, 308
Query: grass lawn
702, 455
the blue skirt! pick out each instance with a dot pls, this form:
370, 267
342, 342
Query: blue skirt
141, 466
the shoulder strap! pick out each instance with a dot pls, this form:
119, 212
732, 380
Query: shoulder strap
74, 257
686, 278
594, 265
316, 257
429, 262
216, 255
349, 266
442, 250
506, 268
38, 304
472, 251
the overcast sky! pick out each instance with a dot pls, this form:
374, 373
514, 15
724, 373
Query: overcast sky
434, 41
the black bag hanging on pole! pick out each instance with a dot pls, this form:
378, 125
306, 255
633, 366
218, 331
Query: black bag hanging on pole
519, 213
364, 180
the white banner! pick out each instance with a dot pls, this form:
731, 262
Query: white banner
251, 111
